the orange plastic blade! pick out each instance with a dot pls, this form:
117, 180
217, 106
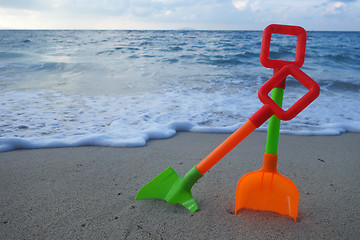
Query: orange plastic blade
267, 190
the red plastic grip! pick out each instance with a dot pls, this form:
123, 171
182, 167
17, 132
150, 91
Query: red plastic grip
297, 107
297, 31
261, 115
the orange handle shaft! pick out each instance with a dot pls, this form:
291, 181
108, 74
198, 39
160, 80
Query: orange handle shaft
225, 147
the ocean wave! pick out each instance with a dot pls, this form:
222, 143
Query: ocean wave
122, 88
282, 54
63, 121
340, 59
247, 55
11, 55
341, 86
155, 132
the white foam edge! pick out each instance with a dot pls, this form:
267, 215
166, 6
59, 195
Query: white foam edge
155, 132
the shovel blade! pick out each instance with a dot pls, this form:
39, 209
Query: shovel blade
171, 188
160, 186
267, 191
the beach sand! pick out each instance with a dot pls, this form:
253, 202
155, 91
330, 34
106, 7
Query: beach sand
88, 192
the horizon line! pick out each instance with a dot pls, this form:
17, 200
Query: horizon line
180, 29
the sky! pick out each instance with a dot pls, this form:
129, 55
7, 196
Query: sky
332, 15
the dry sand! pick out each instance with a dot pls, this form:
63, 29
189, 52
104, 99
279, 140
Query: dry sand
88, 192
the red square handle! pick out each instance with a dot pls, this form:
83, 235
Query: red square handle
299, 32
297, 107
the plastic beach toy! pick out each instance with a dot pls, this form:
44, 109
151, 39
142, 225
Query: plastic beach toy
266, 189
170, 187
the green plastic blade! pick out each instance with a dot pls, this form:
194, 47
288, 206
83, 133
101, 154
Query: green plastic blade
160, 186
272, 139
181, 191
170, 187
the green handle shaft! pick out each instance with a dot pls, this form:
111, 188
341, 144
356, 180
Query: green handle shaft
272, 139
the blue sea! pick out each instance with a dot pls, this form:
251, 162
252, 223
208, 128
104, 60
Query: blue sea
122, 88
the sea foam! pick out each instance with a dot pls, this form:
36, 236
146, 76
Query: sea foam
51, 119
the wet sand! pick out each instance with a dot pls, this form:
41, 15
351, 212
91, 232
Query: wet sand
88, 192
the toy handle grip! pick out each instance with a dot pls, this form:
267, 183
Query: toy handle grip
301, 104
297, 31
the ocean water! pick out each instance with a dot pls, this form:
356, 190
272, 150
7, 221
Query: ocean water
122, 88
